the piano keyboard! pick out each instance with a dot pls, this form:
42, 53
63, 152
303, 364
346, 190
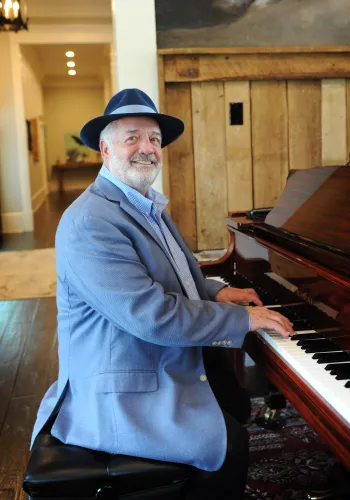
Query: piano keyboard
306, 365
332, 391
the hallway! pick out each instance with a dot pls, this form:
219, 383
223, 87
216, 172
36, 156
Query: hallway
46, 219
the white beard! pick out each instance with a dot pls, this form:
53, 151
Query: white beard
139, 178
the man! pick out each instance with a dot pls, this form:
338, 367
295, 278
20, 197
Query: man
134, 312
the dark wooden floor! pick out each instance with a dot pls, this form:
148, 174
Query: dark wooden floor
45, 224
28, 353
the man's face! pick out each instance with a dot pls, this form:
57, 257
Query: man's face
134, 153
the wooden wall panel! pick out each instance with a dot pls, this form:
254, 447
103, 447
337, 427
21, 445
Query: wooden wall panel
292, 119
269, 141
304, 123
181, 164
163, 109
334, 143
348, 120
238, 149
197, 67
210, 164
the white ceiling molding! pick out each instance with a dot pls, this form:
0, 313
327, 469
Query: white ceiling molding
69, 8
69, 20
51, 82
66, 33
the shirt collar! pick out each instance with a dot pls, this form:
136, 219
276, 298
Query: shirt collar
153, 203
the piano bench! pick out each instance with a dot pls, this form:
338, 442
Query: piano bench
59, 471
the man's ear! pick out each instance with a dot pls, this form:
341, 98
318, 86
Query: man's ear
104, 149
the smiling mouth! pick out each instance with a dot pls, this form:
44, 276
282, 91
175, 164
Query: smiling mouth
144, 163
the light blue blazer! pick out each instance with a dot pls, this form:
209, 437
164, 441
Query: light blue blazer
130, 355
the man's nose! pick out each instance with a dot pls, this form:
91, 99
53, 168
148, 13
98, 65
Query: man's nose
146, 146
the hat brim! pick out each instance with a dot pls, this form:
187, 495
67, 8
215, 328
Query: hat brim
170, 127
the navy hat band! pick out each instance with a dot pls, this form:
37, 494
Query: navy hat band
132, 108
131, 102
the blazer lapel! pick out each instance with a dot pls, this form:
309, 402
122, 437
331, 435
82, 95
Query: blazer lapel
113, 193
192, 262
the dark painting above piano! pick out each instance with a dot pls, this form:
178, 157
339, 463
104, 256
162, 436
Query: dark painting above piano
298, 260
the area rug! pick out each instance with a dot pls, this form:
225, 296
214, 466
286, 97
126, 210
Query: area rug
288, 462
27, 274
31, 274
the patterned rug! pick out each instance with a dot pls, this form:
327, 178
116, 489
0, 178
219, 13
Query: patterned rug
27, 274
285, 463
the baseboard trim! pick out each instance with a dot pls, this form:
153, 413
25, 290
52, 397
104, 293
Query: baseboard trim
38, 199
12, 222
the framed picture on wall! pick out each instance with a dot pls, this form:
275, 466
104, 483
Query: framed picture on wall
32, 138
252, 23
34, 135
29, 135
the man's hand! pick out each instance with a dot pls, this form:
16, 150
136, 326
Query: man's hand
236, 295
260, 317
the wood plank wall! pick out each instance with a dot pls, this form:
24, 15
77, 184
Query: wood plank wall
287, 124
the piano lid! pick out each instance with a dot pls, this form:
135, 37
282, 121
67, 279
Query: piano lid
315, 205
312, 217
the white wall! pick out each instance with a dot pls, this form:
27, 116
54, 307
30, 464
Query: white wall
34, 109
14, 172
67, 110
134, 57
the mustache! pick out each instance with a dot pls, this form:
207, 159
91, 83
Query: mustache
143, 157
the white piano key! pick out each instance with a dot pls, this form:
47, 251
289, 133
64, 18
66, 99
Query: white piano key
219, 278
332, 391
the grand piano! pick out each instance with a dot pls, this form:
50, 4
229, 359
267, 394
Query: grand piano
297, 257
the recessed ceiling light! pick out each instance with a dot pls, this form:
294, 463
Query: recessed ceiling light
72, 72
70, 64
70, 53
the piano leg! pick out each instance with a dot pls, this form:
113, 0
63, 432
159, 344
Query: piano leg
339, 481
322, 495
270, 416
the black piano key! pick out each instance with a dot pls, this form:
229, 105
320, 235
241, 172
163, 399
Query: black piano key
334, 366
304, 316
347, 385
315, 342
317, 346
339, 371
269, 291
342, 376
308, 336
301, 324
341, 367
331, 357
312, 350
308, 314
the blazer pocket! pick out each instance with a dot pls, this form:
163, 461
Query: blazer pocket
126, 381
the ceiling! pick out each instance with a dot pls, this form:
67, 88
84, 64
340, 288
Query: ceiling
92, 62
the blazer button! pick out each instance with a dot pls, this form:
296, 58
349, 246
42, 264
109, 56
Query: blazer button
203, 378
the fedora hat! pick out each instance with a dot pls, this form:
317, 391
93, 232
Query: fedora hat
130, 102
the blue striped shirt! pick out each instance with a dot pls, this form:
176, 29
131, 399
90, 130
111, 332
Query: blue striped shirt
151, 207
